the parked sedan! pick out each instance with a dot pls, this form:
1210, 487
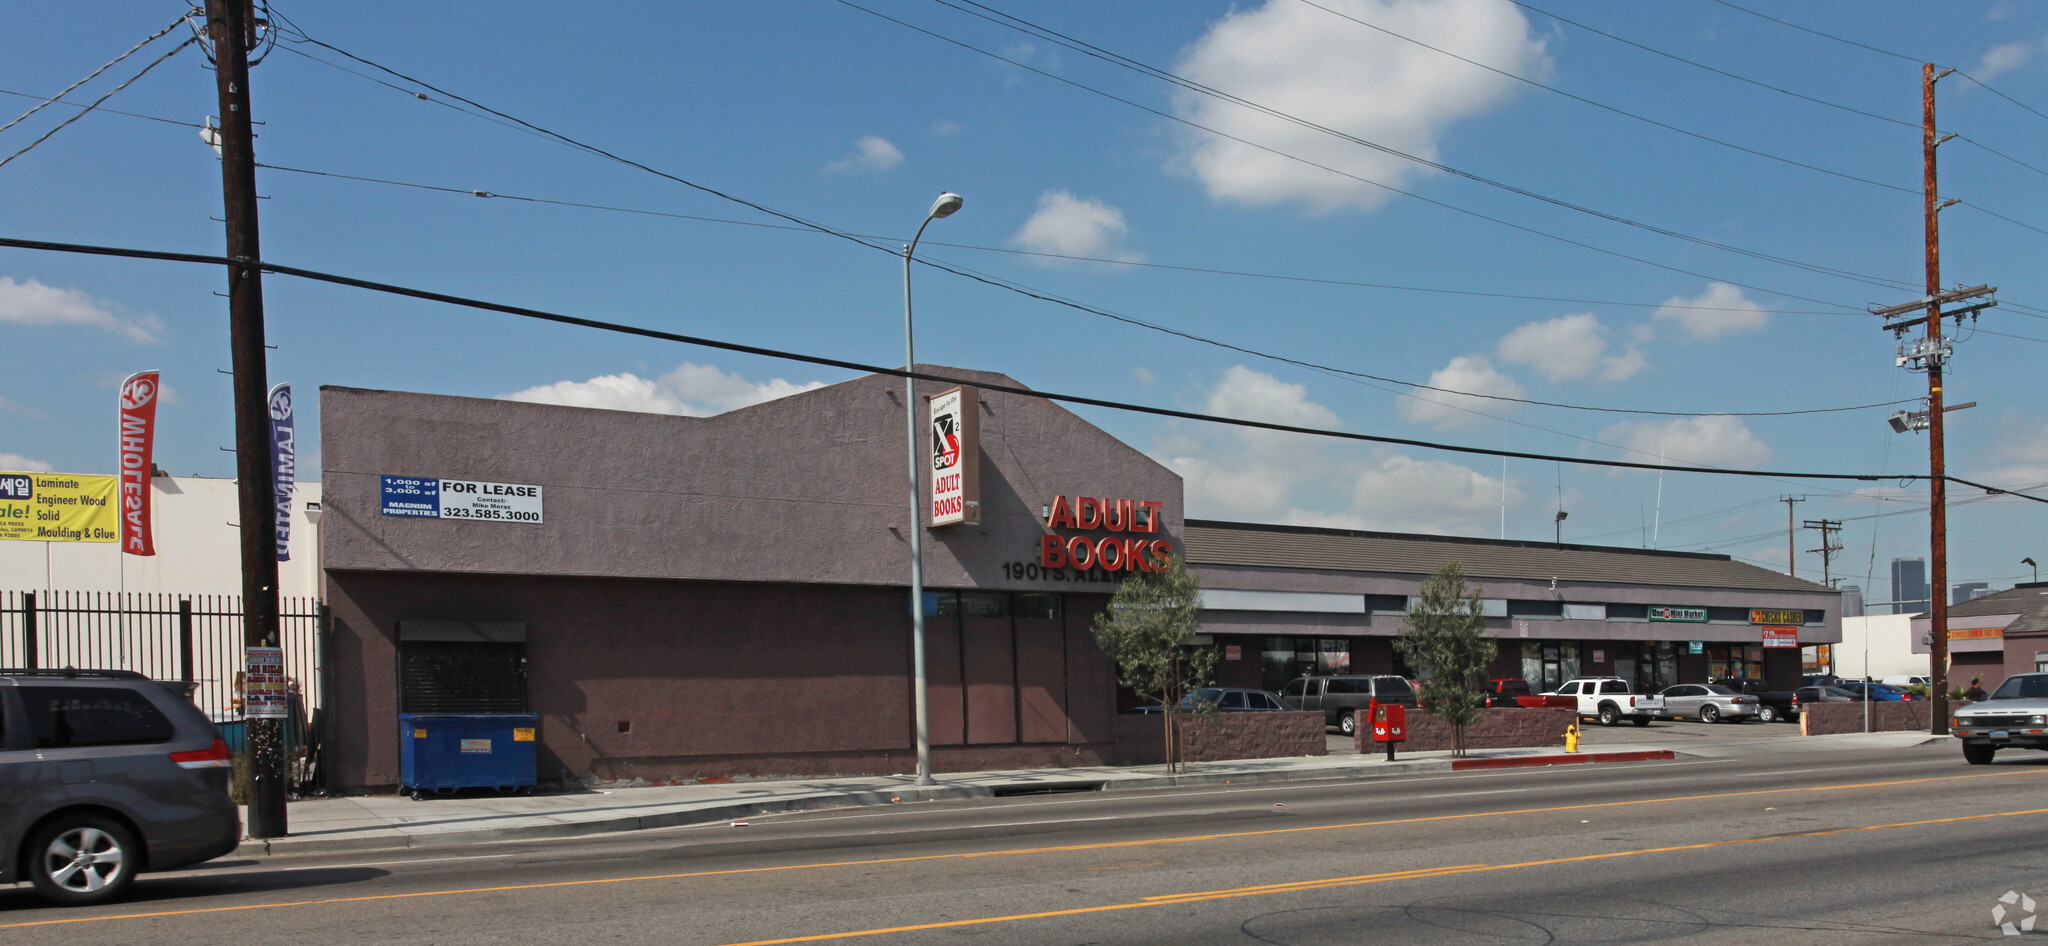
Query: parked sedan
1710, 703
1806, 695
1879, 693
1226, 700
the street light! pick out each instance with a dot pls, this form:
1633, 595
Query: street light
2037, 569
947, 203
1557, 527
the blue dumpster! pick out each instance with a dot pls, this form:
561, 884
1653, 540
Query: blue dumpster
443, 752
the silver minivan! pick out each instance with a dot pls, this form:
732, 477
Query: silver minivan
105, 774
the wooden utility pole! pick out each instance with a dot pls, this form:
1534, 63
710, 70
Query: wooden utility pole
1791, 536
231, 25
1937, 509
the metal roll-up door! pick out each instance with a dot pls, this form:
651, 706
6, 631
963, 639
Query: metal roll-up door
461, 667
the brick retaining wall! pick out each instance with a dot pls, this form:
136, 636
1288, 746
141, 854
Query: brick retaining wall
1223, 736
1496, 728
1821, 719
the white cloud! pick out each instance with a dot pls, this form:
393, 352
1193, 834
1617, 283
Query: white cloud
31, 303
1144, 376
1721, 310
1065, 225
947, 129
691, 390
1306, 62
2007, 58
1268, 476
1452, 406
22, 464
871, 153
1712, 440
1569, 348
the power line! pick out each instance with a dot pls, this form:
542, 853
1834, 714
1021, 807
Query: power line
844, 364
107, 111
88, 109
1154, 72
1609, 108
153, 37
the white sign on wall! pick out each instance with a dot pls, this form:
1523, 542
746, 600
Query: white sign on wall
956, 458
430, 498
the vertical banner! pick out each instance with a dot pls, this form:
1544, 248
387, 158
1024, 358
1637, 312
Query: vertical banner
138, 451
284, 464
956, 458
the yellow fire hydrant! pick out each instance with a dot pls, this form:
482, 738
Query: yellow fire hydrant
1571, 737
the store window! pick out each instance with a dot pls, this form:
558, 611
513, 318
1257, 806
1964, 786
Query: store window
1649, 665
1735, 662
1282, 659
1548, 664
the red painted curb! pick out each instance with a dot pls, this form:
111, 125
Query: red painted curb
1653, 755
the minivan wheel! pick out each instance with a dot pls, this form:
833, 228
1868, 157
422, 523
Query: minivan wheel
81, 859
1347, 724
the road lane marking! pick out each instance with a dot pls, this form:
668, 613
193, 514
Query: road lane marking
1103, 845
1329, 883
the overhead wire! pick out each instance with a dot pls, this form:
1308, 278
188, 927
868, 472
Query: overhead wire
153, 37
1182, 82
911, 372
66, 123
103, 110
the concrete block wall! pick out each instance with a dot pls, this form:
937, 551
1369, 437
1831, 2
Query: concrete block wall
1223, 736
1496, 728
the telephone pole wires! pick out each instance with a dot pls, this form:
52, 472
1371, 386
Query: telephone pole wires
1828, 546
1791, 536
231, 26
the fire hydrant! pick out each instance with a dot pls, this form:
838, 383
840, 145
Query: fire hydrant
1571, 737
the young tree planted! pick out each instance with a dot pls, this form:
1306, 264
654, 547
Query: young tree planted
1146, 631
1441, 640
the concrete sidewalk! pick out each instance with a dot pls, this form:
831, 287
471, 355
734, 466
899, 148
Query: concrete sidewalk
384, 822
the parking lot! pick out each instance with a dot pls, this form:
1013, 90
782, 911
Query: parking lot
1673, 733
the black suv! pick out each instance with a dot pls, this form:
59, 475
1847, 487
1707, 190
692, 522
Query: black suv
105, 774
1342, 698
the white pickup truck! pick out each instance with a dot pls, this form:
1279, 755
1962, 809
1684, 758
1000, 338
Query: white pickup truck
1611, 700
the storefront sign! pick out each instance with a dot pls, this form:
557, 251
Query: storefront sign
264, 687
1695, 648
284, 465
59, 507
1976, 633
1599, 656
1521, 629
1667, 613
956, 458
1233, 652
1781, 636
137, 448
1762, 616
1108, 553
429, 498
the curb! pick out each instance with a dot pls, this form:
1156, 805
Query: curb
392, 839
1653, 755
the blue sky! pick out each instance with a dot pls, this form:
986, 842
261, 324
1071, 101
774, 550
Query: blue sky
832, 113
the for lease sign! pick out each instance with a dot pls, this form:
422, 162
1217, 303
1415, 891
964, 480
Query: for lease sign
427, 497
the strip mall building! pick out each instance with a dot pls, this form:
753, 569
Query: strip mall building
683, 597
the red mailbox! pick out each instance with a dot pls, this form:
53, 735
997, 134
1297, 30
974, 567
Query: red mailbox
1389, 722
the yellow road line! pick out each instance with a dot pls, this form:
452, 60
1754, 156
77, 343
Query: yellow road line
1350, 882
1104, 845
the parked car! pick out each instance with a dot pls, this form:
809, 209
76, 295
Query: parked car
1907, 680
1342, 698
1771, 705
1805, 696
1879, 693
1225, 700
2014, 716
1611, 700
1710, 702
1505, 692
1819, 680
105, 774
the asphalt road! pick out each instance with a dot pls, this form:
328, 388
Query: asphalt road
1777, 845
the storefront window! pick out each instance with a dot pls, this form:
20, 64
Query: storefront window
1284, 658
985, 605
1735, 662
1333, 656
1548, 664
1035, 605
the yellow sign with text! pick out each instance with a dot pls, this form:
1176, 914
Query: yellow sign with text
1767, 616
59, 507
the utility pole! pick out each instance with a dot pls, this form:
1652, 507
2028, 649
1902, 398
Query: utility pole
231, 25
1791, 536
1828, 547
1932, 352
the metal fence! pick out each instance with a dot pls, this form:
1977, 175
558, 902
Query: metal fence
194, 638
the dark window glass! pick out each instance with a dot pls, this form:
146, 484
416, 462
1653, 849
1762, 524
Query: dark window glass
1386, 604
1634, 612
2022, 687
949, 602
985, 605
1535, 609
1294, 690
1720, 691
1816, 617
1233, 700
1348, 685
1614, 686
1260, 701
1035, 605
1392, 686
1736, 615
92, 716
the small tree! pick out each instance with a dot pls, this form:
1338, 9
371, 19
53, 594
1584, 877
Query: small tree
1442, 641
1146, 631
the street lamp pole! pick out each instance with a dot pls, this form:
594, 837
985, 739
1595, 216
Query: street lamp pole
947, 203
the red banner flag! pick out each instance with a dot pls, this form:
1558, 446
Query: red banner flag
138, 448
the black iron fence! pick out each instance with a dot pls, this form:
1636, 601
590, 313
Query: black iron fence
194, 638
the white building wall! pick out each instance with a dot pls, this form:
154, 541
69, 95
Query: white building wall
198, 549
1878, 646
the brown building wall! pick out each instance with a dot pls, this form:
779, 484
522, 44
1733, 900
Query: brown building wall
668, 681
